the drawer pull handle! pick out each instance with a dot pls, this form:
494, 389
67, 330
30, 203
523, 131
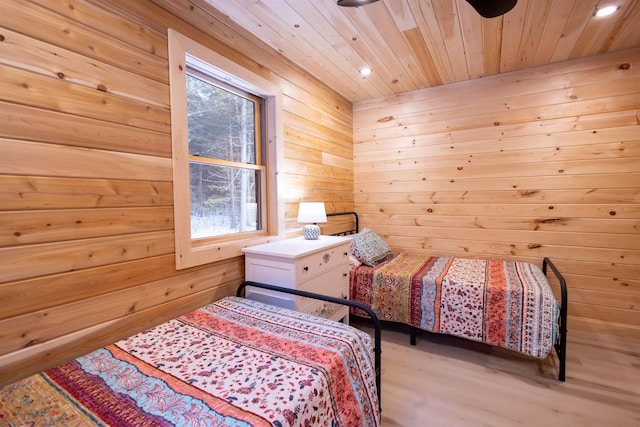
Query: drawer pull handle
326, 258
345, 253
306, 268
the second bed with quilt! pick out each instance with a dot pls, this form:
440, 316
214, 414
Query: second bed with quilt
503, 303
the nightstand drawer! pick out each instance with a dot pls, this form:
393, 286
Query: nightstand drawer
329, 310
319, 263
333, 283
319, 266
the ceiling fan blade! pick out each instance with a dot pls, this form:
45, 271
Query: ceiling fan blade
355, 3
492, 8
486, 8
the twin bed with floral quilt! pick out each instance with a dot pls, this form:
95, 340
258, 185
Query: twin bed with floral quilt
503, 303
234, 362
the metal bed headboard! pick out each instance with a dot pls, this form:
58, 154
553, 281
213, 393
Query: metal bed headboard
356, 225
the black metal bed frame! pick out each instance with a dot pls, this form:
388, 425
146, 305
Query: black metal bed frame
377, 340
356, 223
561, 343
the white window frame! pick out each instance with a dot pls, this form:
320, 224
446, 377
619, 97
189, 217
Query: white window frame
191, 252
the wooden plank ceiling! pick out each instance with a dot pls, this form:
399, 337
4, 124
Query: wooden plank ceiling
415, 44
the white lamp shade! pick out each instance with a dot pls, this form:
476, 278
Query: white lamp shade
311, 212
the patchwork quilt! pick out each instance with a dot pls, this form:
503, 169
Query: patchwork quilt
235, 362
503, 303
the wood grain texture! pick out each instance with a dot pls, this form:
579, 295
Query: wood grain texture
39, 355
528, 164
86, 178
448, 381
42, 226
40, 125
548, 155
49, 60
38, 192
97, 41
416, 44
44, 325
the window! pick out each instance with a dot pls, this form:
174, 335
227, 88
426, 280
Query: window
225, 135
225, 169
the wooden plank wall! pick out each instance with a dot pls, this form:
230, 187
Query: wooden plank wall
541, 162
86, 201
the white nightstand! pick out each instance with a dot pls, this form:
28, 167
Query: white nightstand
320, 266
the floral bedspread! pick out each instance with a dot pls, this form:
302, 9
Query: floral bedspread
503, 303
235, 362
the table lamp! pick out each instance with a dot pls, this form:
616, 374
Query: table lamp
311, 212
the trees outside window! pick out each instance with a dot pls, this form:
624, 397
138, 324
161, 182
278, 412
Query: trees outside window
226, 132
224, 152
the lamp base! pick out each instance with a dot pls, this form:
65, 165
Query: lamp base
311, 232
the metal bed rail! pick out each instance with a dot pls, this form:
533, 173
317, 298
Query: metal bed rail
356, 225
561, 344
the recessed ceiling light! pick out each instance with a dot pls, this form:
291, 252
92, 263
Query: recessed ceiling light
365, 71
606, 11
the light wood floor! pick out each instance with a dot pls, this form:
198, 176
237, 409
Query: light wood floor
445, 381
